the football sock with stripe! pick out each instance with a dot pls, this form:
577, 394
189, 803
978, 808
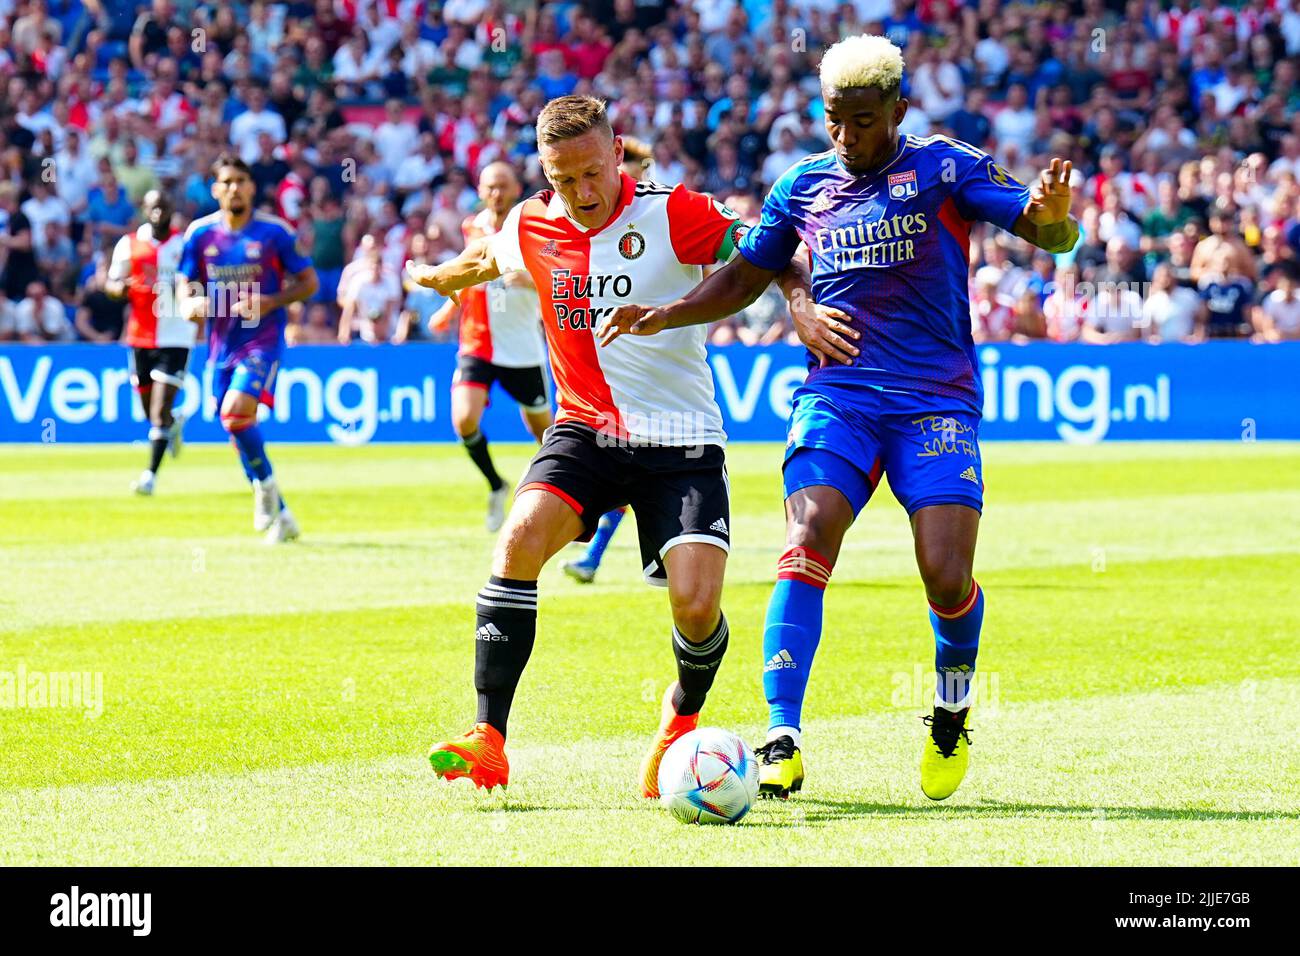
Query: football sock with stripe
697, 665
504, 636
791, 634
477, 447
605, 529
157, 447
253, 450
956, 643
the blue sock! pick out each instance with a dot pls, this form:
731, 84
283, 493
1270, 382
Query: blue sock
243, 461
605, 529
956, 643
791, 634
253, 451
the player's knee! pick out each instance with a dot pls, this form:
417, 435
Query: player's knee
520, 550
695, 613
466, 425
234, 422
947, 581
816, 534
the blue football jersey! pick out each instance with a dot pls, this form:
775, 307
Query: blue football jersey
891, 249
256, 258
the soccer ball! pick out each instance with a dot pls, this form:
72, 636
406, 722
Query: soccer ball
708, 776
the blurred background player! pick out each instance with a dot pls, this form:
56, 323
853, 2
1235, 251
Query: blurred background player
500, 338
238, 270
143, 271
638, 157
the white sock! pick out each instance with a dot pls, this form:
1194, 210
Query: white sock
791, 732
962, 704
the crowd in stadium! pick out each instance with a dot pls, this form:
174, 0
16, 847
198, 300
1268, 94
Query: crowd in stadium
366, 123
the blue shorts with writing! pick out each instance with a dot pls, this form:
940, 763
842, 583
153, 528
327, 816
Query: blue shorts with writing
252, 373
848, 435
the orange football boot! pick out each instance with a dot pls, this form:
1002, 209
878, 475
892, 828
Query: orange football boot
671, 726
479, 754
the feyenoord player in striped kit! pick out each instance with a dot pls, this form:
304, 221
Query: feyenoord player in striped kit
143, 270
637, 160
638, 424
500, 339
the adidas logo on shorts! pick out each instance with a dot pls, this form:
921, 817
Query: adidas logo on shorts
490, 632
969, 475
719, 526
781, 660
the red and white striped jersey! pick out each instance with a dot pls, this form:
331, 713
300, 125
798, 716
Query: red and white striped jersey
655, 389
149, 269
499, 323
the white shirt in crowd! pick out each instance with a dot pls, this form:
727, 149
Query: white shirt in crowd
1014, 126
1284, 312
778, 163
51, 320
1171, 315
43, 211
245, 127
939, 89
395, 142
375, 298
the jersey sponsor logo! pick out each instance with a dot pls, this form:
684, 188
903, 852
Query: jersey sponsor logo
1000, 177
719, 526
632, 244
903, 185
212, 251
567, 286
969, 475
871, 245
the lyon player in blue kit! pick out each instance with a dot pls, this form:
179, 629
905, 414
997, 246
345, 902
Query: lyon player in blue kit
238, 270
893, 385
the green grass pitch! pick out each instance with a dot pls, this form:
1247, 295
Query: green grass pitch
1139, 669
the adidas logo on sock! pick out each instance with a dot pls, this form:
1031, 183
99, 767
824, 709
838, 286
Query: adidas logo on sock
490, 632
969, 475
780, 661
719, 526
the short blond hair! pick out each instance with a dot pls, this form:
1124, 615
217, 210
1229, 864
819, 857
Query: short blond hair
568, 116
864, 60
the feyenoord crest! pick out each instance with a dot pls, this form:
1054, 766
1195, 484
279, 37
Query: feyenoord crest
253, 250
903, 185
631, 245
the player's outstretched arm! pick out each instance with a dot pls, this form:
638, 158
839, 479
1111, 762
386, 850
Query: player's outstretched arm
729, 290
191, 301
474, 266
1046, 220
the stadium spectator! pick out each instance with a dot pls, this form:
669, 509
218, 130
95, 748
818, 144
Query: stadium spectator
100, 318
1182, 129
1172, 312
372, 303
37, 319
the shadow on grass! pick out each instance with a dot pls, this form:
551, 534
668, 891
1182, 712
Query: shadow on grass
805, 811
